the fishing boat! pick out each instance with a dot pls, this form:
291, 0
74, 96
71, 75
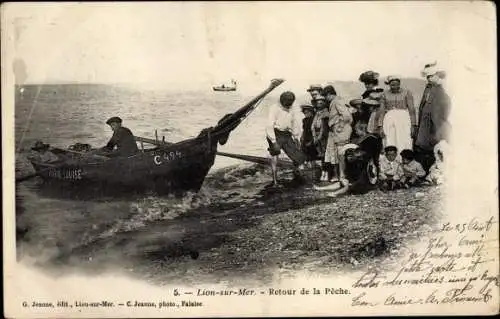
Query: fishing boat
225, 88
164, 168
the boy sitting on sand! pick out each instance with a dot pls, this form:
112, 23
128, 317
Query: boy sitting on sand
390, 168
412, 171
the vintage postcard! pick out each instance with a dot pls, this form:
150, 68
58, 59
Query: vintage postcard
201, 159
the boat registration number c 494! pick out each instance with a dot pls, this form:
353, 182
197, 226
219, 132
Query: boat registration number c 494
167, 157
69, 174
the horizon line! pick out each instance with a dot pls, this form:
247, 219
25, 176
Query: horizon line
146, 83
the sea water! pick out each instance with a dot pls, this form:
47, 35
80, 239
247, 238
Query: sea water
62, 115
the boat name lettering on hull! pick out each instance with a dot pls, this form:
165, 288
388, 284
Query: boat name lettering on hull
68, 174
167, 157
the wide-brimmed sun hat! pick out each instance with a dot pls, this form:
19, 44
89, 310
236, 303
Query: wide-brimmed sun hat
371, 101
369, 76
433, 69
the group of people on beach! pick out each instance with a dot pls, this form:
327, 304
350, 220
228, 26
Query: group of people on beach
376, 138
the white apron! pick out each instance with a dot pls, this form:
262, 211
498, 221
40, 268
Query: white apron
397, 129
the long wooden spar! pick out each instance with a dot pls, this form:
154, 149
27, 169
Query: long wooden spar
248, 158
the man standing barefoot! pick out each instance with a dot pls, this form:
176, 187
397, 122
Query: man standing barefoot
283, 133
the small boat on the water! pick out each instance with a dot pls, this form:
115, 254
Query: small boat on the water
165, 168
225, 88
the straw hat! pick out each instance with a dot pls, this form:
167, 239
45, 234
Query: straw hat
371, 101
391, 78
433, 69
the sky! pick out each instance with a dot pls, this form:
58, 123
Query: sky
200, 43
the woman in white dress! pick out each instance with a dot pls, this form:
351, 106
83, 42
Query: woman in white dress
397, 118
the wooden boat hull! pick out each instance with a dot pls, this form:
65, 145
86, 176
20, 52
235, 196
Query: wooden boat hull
180, 168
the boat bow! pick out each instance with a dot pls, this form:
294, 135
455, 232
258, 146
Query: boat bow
230, 121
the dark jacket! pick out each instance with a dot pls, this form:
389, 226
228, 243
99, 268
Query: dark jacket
307, 139
433, 113
366, 108
124, 141
307, 134
356, 164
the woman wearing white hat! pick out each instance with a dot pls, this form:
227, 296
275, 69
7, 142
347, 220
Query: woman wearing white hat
397, 118
433, 113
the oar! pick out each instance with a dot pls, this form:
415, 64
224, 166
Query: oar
254, 159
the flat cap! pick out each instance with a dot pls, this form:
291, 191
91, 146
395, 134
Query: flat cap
114, 119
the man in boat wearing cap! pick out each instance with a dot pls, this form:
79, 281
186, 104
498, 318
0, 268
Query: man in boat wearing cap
122, 143
283, 133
